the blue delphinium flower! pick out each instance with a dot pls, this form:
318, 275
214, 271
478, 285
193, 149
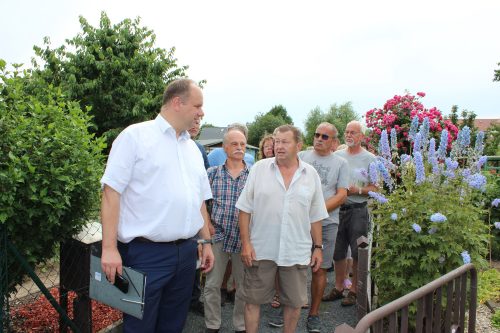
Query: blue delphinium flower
464, 138
377, 196
417, 143
405, 159
394, 139
394, 216
385, 174
482, 160
432, 156
424, 132
438, 217
443, 143
451, 166
479, 146
383, 146
416, 227
466, 173
495, 202
373, 172
432, 230
419, 166
413, 128
497, 225
465, 257
477, 181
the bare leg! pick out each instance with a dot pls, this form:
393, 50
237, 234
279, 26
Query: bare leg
340, 269
291, 318
318, 284
252, 316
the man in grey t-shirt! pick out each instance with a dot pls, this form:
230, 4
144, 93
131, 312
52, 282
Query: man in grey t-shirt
354, 218
333, 172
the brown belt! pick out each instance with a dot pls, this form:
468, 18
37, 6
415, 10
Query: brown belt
175, 242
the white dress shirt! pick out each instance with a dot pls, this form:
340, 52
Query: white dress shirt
280, 227
162, 182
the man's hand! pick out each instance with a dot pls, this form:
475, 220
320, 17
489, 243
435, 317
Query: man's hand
211, 229
207, 258
111, 263
316, 259
247, 254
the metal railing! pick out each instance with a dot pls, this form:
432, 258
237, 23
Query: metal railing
431, 316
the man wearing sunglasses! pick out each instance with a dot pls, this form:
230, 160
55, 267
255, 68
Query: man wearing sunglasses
333, 172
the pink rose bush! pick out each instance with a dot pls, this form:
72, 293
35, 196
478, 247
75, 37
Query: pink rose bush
398, 113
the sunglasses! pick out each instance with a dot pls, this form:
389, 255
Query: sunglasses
323, 136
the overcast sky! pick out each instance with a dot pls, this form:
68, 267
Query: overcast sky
301, 54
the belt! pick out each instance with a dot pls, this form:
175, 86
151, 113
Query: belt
175, 242
353, 205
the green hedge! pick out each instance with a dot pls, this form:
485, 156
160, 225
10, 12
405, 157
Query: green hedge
49, 166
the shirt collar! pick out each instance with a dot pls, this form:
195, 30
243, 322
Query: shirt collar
301, 168
165, 126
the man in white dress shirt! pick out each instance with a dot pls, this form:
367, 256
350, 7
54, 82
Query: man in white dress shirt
281, 208
153, 205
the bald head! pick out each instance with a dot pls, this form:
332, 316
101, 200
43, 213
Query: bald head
353, 134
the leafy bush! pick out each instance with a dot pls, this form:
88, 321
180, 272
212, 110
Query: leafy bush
49, 166
429, 221
489, 286
492, 195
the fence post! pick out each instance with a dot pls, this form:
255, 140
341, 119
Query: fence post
362, 289
4, 282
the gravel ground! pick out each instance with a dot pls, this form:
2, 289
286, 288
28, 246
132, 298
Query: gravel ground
483, 320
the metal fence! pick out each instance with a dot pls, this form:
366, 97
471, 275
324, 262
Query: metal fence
54, 296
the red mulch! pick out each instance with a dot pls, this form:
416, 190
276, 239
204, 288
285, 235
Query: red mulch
40, 315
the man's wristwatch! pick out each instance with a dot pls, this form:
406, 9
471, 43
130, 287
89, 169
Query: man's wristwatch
318, 246
205, 241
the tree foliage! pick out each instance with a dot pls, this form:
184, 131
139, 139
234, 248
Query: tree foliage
266, 123
338, 115
496, 76
114, 69
50, 166
492, 144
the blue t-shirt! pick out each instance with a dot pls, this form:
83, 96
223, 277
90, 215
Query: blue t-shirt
218, 157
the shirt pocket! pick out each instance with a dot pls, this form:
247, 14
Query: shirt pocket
303, 195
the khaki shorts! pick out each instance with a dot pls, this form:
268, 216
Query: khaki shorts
258, 283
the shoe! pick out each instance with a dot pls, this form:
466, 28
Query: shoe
277, 321
211, 330
333, 296
198, 308
305, 306
223, 296
230, 295
313, 324
349, 300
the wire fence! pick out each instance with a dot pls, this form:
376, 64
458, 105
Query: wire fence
65, 280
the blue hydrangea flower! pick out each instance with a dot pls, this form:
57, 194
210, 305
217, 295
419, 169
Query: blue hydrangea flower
497, 225
443, 143
394, 217
413, 128
479, 146
432, 230
377, 196
465, 257
394, 139
416, 227
383, 146
438, 217
477, 181
495, 202
419, 165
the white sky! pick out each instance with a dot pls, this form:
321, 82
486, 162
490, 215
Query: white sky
301, 54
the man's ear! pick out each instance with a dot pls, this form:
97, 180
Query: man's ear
299, 146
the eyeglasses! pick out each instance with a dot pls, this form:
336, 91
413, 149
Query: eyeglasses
350, 133
323, 136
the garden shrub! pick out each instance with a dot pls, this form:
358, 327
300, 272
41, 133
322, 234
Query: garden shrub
49, 167
428, 218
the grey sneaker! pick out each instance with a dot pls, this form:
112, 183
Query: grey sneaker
313, 324
277, 320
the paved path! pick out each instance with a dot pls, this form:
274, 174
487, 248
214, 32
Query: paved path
332, 314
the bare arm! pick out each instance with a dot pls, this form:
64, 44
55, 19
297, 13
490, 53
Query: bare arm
247, 250
207, 256
335, 201
354, 190
111, 261
317, 237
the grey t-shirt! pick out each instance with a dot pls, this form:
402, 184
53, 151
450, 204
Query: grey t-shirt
358, 171
333, 172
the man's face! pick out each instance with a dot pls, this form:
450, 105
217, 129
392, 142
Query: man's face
191, 108
353, 135
323, 140
235, 145
285, 146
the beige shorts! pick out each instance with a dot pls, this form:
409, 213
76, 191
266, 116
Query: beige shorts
259, 288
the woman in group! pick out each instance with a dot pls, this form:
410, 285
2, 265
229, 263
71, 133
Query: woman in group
266, 147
